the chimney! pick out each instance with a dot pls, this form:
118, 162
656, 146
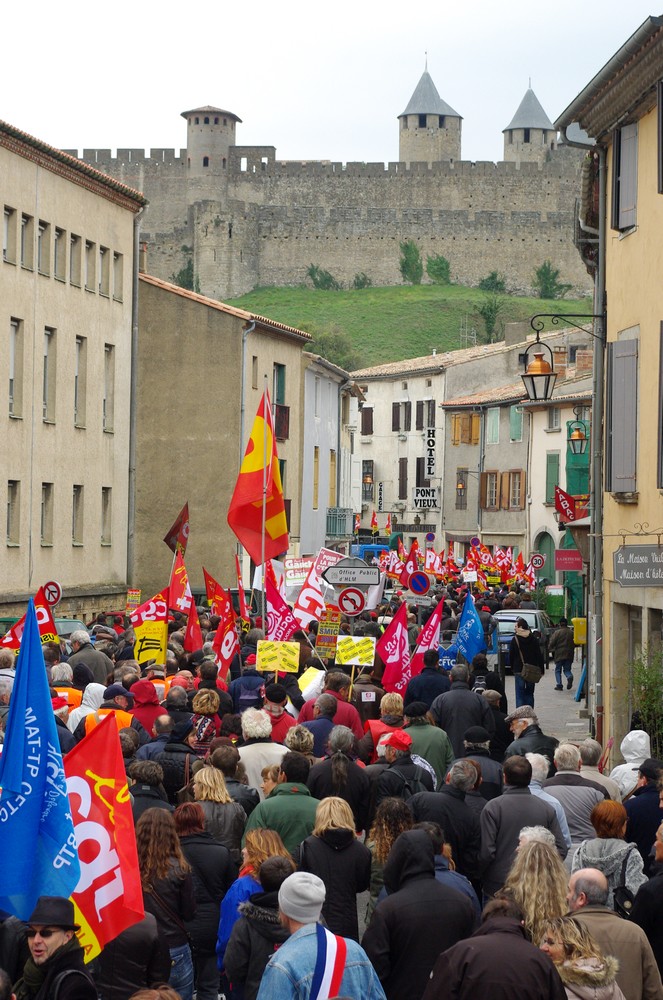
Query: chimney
516, 333
560, 360
584, 360
142, 258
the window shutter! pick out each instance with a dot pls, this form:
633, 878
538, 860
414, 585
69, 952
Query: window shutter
504, 491
430, 422
516, 423
395, 416
402, 478
367, 420
407, 416
476, 428
465, 428
419, 415
523, 490
616, 145
623, 416
628, 176
483, 490
421, 470
455, 428
552, 475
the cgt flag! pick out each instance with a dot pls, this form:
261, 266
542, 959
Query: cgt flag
281, 624
470, 638
47, 629
150, 625
260, 476
37, 838
394, 650
108, 897
178, 536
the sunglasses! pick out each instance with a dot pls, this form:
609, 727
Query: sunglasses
45, 933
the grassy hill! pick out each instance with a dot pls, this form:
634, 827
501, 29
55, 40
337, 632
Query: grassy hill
389, 324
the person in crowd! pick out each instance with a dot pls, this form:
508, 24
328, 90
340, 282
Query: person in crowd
482, 678
177, 704
55, 967
429, 683
290, 808
524, 648
445, 866
297, 969
419, 918
258, 749
14, 951
540, 767
137, 959
528, 737
449, 809
146, 707
337, 685
62, 678
270, 779
367, 693
644, 811
635, 749
168, 892
91, 700
177, 759
501, 734
576, 795
248, 690
147, 791
537, 881
300, 740
591, 752
276, 699
393, 817
84, 652
226, 759
562, 646
459, 708
339, 775
428, 740
581, 965
161, 729
224, 818
391, 718
497, 962
502, 819
647, 909
638, 976
402, 777
206, 704
118, 702
476, 745
258, 932
213, 872
322, 723
60, 707
620, 862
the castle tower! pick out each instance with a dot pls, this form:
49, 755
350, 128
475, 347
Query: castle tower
210, 134
429, 129
530, 134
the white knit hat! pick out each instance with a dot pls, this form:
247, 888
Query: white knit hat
301, 897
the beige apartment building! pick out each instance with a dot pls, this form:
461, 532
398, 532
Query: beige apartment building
66, 280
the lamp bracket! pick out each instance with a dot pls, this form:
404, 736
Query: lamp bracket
640, 530
537, 322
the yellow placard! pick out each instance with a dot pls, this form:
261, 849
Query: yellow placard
278, 656
151, 641
357, 649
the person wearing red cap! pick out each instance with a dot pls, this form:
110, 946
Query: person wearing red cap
402, 778
61, 712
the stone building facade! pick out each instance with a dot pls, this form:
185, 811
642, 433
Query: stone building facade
244, 218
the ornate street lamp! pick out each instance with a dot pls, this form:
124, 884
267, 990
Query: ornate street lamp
539, 375
577, 437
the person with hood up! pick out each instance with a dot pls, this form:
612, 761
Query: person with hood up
587, 974
146, 707
635, 749
621, 863
419, 919
93, 695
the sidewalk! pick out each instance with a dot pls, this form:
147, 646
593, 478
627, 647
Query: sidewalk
558, 711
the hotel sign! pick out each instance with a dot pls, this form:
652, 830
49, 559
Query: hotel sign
638, 565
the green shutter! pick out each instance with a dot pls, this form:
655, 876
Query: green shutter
516, 423
552, 475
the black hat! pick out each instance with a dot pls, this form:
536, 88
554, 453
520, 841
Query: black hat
476, 734
650, 768
415, 710
276, 693
115, 691
54, 911
180, 731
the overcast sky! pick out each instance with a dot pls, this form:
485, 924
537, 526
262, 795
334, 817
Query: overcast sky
318, 81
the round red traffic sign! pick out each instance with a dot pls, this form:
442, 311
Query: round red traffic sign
52, 592
538, 560
418, 583
351, 601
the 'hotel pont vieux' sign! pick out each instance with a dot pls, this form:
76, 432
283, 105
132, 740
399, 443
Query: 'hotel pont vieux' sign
639, 565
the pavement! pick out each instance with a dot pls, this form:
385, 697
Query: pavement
558, 711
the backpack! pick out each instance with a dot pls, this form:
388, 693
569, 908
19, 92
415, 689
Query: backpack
412, 785
250, 696
479, 683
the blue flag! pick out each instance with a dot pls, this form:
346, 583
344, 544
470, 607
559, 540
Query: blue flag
448, 656
469, 637
37, 840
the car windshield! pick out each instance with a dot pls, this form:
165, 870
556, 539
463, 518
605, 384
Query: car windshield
506, 626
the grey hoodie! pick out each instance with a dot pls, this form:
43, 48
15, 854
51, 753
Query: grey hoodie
635, 748
608, 854
90, 702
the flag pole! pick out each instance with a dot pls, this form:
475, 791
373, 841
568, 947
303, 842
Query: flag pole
264, 502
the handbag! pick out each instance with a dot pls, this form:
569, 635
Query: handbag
622, 897
530, 672
160, 901
185, 793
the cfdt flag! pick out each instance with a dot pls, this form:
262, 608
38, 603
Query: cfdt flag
37, 840
259, 481
469, 637
226, 643
108, 897
178, 536
394, 650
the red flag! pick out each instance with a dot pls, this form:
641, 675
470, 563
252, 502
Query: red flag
45, 622
310, 603
281, 625
411, 563
387, 527
178, 536
216, 595
243, 610
154, 610
530, 575
245, 510
180, 591
193, 636
394, 650
429, 638
357, 524
109, 895
374, 524
520, 565
226, 643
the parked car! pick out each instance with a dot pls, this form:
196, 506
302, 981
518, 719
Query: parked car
539, 622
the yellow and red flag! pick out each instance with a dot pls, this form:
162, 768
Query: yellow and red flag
243, 610
387, 527
216, 595
108, 897
226, 643
180, 591
150, 625
245, 511
178, 536
374, 524
45, 623
357, 524
193, 636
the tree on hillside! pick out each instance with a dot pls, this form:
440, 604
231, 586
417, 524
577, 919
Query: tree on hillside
438, 270
335, 345
411, 264
547, 283
185, 277
322, 279
489, 310
493, 282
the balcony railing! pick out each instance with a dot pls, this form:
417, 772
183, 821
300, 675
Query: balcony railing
281, 422
340, 522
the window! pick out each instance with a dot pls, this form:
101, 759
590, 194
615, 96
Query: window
440, 121
13, 511
206, 161
554, 418
9, 235
465, 428
552, 475
206, 120
316, 476
403, 385
402, 478
278, 395
90, 266
624, 176
49, 375
421, 473
108, 401
430, 413
422, 121
493, 425
622, 417
104, 271
106, 515
516, 423
216, 121
395, 416
513, 490
44, 248
419, 415
80, 381
526, 135
254, 372
489, 490
75, 260
367, 484
367, 420
332, 478
46, 521
27, 241
316, 396
77, 516
15, 367
60, 254
118, 276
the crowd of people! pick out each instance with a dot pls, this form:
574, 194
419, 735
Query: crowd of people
350, 842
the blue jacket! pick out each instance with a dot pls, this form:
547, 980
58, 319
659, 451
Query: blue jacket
644, 818
241, 889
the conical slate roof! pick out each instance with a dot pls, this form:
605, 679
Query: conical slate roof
427, 101
530, 114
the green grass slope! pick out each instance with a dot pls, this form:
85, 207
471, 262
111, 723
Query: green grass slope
389, 324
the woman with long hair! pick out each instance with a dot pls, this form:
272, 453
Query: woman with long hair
213, 872
168, 891
393, 817
334, 854
621, 863
341, 776
584, 970
538, 882
225, 819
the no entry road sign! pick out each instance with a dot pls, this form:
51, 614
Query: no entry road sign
351, 601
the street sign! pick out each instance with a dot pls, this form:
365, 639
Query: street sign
418, 583
351, 601
425, 498
352, 572
538, 560
430, 537
52, 592
429, 456
568, 561
380, 497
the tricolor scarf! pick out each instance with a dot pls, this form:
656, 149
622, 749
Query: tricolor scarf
329, 965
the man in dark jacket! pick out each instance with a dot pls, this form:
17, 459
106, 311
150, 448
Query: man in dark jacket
162, 728
56, 958
367, 695
419, 919
226, 760
173, 759
458, 709
14, 951
477, 745
644, 810
562, 646
428, 684
449, 809
137, 959
322, 723
501, 737
528, 737
147, 791
497, 962
402, 778
647, 910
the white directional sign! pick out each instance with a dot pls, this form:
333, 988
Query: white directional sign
352, 572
